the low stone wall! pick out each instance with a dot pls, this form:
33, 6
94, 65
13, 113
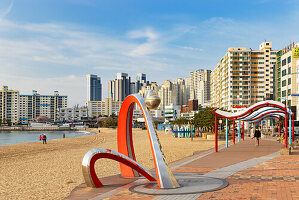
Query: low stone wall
37, 129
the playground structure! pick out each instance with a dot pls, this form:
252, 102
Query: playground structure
254, 114
126, 156
184, 131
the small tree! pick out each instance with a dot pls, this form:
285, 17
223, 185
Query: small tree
43, 119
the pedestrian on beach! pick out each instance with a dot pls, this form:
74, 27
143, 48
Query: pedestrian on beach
40, 137
44, 139
257, 136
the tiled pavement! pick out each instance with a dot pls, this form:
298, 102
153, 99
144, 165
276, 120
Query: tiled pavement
277, 178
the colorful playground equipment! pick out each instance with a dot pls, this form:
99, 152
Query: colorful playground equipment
183, 131
254, 114
126, 155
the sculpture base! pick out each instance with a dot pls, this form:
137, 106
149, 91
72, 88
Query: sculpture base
190, 183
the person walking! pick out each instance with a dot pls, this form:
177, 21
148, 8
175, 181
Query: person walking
44, 139
252, 132
257, 136
40, 137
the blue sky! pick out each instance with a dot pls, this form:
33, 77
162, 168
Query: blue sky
50, 45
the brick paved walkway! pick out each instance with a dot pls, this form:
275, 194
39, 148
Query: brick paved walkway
277, 178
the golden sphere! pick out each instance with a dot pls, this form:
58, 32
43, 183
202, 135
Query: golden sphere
152, 100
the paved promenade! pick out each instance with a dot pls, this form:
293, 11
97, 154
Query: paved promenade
253, 172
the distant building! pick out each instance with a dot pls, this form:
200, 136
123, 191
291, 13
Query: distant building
103, 108
32, 106
200, 85
16, 108
119, 88
9, 105
73, 114
192, 106
172, 112
141, 78
157, 115
150, 86
94, 88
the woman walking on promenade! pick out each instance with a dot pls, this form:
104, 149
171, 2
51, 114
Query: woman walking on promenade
257, 136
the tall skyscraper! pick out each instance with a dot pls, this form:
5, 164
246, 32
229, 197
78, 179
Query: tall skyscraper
141, 78
200, 86
119, 88
94, 88
243, 77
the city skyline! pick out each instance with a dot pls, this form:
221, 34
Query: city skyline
52, 45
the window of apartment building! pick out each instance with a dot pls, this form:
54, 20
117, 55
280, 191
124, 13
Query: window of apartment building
267, 60
283, 94
284, 62
284, 83
284, 72
289, 70
289, 81
267, 55
267, 50
289, 59
267, 43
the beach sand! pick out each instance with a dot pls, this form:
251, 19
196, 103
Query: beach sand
52, 171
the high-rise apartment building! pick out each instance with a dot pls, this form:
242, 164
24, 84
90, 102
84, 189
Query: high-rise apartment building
9, 105
16, 108
141, 78
32, 106
243, 77
287, 77
168, 94
94, 88
200, 86
173, 92
119, 88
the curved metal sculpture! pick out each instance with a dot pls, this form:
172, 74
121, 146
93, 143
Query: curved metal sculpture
165, 178
126, 155
92, 156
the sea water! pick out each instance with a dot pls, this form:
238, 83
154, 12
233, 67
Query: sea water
14, 137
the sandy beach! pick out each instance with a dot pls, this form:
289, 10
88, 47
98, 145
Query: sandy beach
52, 171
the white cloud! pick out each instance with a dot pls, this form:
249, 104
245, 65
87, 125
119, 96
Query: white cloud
4, 13
151, 44
147, 33
44, 51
